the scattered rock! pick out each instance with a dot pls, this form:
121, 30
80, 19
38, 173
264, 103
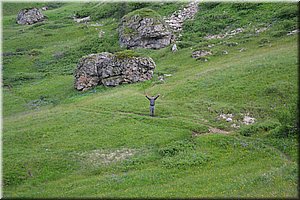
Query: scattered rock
144, 28
82, 20
227, 117
248, 120
174, 48
293, 32
242, 49
224, 52
235, 126
101, 34
30, 16
161, 79
45, 8
201, 54
176, 20
227, 34
261, 30
112, 70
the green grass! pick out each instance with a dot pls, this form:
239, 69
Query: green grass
54, 137
143, 13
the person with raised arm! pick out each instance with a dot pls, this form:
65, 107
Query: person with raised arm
152, 104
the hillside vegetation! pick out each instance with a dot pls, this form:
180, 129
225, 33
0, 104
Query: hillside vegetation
59, 142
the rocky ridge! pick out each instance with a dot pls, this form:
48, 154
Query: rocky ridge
175, 21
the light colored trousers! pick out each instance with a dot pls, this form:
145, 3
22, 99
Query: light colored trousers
152, 111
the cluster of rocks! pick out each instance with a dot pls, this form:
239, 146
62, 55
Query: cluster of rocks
247, 120
30, 16
44, 8
227, 34
260, 30
111, 70
82, 20
144, 32
201, 54
176, 20
293, 32
227, 117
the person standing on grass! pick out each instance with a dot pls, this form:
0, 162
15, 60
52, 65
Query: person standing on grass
152, 103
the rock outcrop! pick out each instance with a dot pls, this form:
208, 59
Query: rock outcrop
201, 54
111, 70
144, 28
30, 16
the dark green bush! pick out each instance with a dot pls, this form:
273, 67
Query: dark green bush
54, 5
287, 11
209, 5
245, 6
185, 44
176, 147
266, 126
289, 123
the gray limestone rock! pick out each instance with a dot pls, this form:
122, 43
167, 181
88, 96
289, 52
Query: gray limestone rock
201, 54
144, 28
111, 70
29, 16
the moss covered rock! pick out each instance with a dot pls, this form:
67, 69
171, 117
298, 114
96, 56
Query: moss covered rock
144, 28
112, 69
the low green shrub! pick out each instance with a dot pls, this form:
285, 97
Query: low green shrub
287, 11
176, 147
185, 44
266, 126
289, 124
54, 5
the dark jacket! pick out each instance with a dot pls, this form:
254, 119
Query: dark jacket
152, 100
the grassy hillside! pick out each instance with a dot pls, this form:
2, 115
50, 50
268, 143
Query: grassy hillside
58, 142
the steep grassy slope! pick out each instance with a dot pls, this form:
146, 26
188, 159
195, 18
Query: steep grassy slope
58, 142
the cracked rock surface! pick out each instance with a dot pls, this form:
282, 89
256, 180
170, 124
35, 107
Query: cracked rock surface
144, 32
30, 16
110, 70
